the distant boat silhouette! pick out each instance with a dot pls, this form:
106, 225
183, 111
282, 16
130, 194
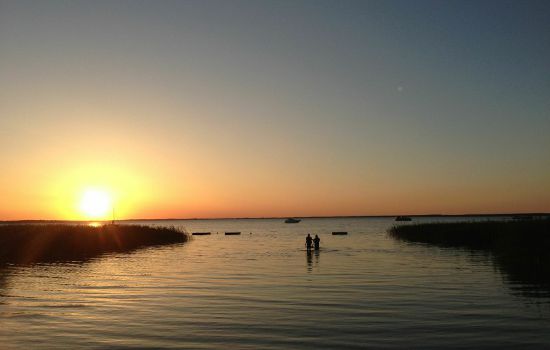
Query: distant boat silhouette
403, 218
292, 221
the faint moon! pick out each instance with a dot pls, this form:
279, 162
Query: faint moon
399, 88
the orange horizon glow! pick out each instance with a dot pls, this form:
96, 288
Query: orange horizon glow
77, 198
138, 190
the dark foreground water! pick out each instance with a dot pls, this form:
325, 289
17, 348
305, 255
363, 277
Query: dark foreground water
264, 291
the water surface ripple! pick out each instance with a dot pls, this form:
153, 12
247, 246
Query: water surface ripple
262, 290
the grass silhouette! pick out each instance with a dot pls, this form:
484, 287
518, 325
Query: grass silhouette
33, 243
520, 249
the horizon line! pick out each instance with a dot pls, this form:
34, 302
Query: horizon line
285, 217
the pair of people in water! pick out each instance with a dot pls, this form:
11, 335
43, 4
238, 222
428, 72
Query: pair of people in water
315, 241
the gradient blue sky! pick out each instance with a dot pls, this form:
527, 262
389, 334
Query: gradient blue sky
268, 108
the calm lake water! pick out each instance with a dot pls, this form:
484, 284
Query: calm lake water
262, 290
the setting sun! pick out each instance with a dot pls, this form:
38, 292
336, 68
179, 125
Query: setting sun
95, 203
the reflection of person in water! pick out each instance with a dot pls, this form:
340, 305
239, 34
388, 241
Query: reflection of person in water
316, 241
311, 262
308, 241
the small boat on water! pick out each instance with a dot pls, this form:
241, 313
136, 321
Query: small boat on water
232, 233
292, 221
201, 233
339, 233
403, 218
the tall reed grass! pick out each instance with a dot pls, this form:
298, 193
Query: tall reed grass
520, 249
32, 243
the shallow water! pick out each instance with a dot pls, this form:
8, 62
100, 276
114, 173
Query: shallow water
262, 290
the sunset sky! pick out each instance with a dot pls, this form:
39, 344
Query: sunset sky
182, 109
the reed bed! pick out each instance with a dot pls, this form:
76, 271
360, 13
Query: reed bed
520, 249
33, 243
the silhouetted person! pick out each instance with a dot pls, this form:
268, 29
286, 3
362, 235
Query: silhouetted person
316, 241
309, 240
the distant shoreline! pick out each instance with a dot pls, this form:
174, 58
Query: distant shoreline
279, 218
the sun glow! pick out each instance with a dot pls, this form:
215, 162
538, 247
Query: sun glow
96, 203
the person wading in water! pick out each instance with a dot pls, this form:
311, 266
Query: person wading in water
308, 242
316, 241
